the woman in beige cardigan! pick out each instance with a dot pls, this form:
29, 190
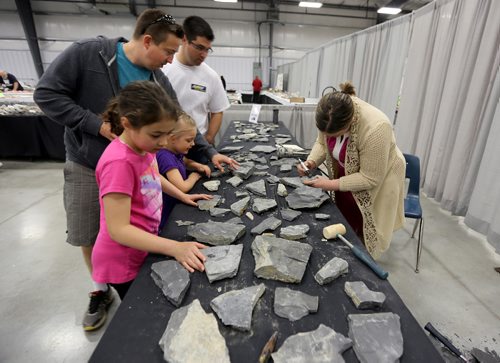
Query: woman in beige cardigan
366, 168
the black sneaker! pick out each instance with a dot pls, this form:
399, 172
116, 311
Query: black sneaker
96, 314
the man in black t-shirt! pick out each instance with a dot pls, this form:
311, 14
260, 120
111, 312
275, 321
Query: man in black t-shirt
10, 82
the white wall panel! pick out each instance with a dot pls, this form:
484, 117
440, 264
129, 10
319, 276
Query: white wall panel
236, 33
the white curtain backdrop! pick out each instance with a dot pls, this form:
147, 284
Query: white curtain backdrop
443, 61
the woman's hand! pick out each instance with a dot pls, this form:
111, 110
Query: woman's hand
310, 164
189, 256
323, 183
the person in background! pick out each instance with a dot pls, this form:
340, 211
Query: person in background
223, 82
74, 92
172, 162
257, 87
130, 189
9, 82
198, 86
366, 168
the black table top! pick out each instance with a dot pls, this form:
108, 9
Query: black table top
140, 321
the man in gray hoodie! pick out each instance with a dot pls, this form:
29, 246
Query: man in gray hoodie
74, 91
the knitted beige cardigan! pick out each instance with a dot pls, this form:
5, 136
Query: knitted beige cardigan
375, 174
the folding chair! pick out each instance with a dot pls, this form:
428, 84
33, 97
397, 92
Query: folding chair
412, 201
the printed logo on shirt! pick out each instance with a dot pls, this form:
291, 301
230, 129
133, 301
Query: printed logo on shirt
198, 87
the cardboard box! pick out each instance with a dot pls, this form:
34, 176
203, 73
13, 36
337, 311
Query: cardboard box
297, 99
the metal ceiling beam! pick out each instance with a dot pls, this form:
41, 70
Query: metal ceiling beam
132, 6
26, 15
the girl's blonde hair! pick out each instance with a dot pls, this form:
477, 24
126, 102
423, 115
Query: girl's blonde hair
184, 123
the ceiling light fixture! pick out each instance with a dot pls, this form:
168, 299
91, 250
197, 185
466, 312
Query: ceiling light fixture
391, 11
310, 4
226, 1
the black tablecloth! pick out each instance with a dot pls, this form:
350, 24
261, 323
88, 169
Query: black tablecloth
141, 319
31, 137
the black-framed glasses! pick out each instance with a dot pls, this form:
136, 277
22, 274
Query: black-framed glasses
201, 48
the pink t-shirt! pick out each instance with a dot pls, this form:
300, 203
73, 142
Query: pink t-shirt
121, 170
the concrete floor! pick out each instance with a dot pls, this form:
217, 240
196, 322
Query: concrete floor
45, 283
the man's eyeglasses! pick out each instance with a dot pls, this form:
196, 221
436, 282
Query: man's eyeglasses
201, 48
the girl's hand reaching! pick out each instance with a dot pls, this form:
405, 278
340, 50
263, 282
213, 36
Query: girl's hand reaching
190, 199
189, 256
204, 169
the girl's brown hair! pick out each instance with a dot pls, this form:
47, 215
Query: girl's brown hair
335, 110
142, 103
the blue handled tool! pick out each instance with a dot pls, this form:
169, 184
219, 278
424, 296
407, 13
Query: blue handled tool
336, 231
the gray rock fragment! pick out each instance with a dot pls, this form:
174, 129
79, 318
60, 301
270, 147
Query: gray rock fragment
261, 205
245, 170
234, 308
261, 139
240, 206
377, 337
292, 181
282, 192
261, 167
281, 140
273, 179
270, 223
247, 136
191, 324
280, 259
306, 197
216, 233
258, 187
209, 204
289, 214
263, 149
241, 193
234, 181
219, 212
293, 305
184, 223
260, 173
261, 160
331, 270
222, 261
285, 168
172, 279
362, 297
212, 185
235, 220
279, 162
323, 345
295, 232
230, 149
321, 216
218, 173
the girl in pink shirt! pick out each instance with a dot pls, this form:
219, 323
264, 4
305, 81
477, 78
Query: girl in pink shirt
130, 189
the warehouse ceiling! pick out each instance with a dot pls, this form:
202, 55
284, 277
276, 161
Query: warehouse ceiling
122, 7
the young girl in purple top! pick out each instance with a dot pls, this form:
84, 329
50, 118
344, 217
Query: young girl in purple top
172, 162
130, 190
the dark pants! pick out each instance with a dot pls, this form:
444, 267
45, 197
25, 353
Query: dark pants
256, 97
122, 289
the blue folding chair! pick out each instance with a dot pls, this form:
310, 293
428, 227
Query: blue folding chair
412, 200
